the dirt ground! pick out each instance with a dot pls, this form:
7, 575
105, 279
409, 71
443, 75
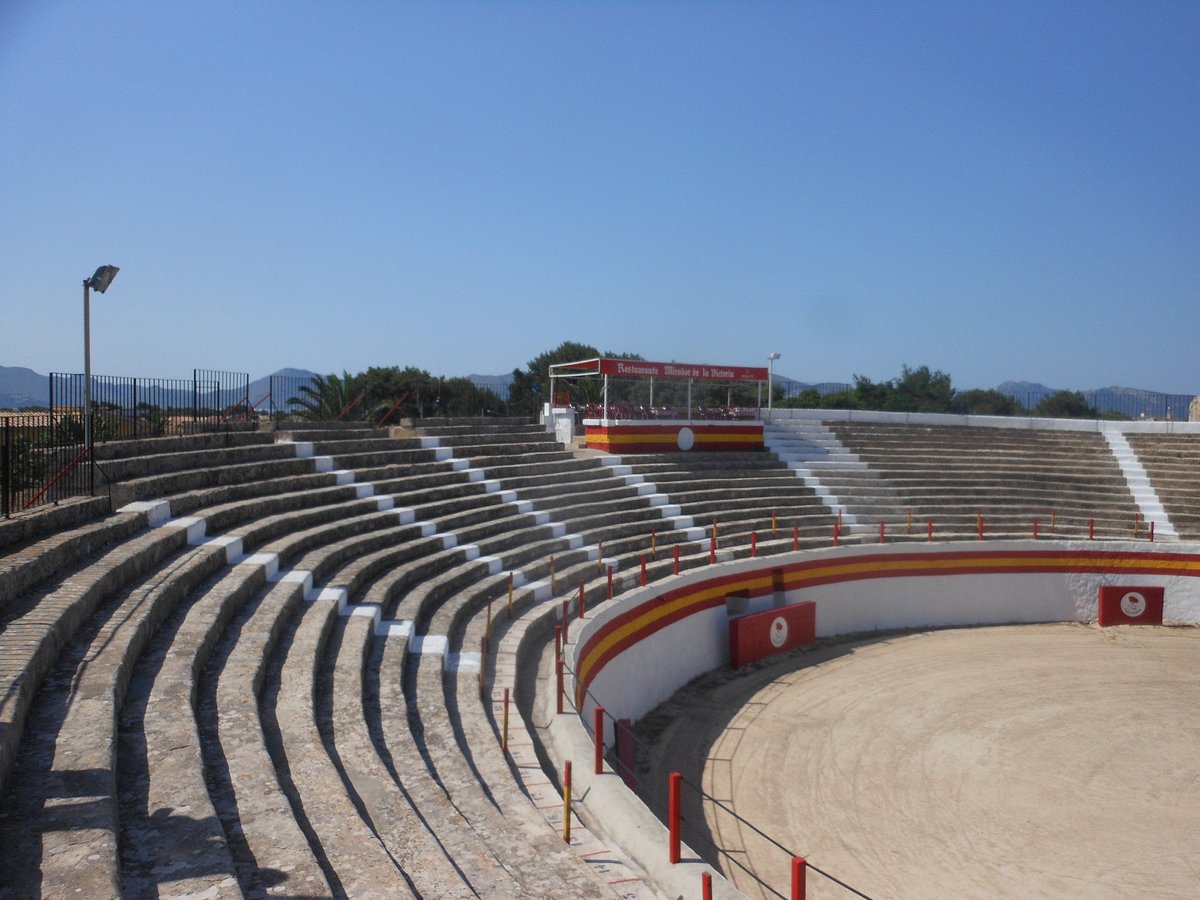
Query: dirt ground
1025, 761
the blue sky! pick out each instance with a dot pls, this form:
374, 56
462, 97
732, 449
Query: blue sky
1003, 191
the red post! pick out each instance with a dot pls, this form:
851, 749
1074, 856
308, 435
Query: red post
799, 877
1035, 533
881, 528
837, 528
566, 618
598, 737
753, 544
643, 570
706, 885
1152, 531
610, 582
582, 599
1091, 529
712, 546
929, 531
795, 537
558, 677
676, 549
675, 816
558, 643
567, 801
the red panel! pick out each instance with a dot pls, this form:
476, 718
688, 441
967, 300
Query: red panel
1125, 605
775, 631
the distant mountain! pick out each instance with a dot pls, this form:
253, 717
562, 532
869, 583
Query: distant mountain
20, 388
792, 387
1025, 389
287, 382
1132, 402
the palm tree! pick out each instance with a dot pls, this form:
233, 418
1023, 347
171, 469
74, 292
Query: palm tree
328, 397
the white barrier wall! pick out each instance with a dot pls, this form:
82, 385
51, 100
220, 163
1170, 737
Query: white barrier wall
860, 415
632, 653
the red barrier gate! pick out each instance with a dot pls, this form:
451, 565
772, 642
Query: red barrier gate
1125, 605
764, 634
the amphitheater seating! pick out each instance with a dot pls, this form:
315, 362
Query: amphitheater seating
263, 675
739, 492
1173, 463
952, 474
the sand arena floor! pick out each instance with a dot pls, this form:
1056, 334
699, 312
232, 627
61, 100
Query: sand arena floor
1025, 761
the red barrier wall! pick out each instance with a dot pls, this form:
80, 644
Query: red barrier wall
1124, 605
665, 437
764, 634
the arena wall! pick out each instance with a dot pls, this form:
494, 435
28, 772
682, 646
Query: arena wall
631, 654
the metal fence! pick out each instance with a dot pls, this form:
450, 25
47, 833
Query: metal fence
40, 462
1126, 405
1120, 404
128, 407
284, 396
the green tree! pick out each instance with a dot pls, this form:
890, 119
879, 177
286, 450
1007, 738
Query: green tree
868, 395
1066, 405
328, 397
976, 402
809, 398
530, 386
919, 390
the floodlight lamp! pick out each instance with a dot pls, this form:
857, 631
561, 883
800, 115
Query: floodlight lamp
772, 356
100, 281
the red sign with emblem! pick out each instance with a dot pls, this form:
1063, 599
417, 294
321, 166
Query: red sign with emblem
1124, 605
764, 634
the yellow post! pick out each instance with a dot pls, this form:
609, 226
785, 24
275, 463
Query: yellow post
567, 801
654, 543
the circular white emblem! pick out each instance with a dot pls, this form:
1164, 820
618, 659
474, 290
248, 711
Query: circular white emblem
1133, 604
686, 439
779, 631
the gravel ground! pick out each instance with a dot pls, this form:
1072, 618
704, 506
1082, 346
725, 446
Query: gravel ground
1027, 761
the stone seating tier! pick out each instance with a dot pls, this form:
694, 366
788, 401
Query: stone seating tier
307, 720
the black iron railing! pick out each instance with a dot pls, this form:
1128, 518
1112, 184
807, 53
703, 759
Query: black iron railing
40, 462
126, 408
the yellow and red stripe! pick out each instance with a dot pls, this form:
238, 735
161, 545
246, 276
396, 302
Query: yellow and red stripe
640, 621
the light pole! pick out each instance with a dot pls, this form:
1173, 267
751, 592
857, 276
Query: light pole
98, 282
771, 357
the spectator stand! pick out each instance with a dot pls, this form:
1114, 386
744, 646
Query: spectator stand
633, 406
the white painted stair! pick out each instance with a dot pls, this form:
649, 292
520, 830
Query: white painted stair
1143, 491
